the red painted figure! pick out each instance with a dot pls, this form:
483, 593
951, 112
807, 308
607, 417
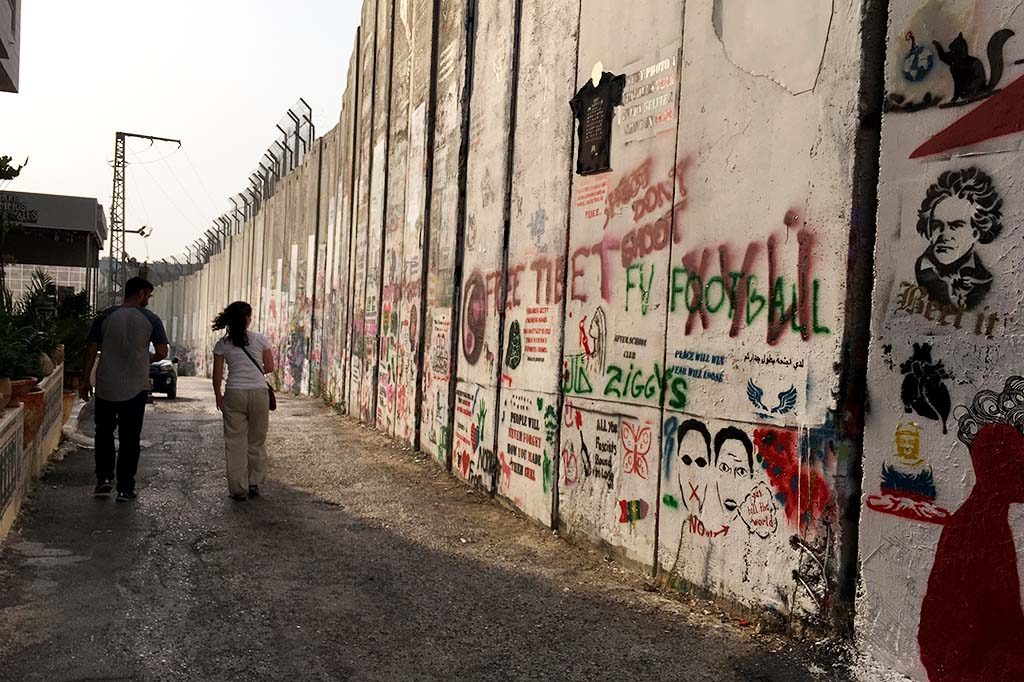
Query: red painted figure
972, 625
584, 338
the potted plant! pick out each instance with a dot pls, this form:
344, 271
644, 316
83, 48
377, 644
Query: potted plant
9, 359
36, 314
16, 361
74, 318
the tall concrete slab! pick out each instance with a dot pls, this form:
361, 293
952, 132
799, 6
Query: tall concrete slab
394, 219
534, 281
358, 342
302, 221
753, 487
941, 527
203, 298
326, 227
439, 365
410, 304
279, 261
341, 259
260, 279
378, 206
614, 374
483, 248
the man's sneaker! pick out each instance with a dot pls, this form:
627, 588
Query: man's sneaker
240, 497
254, 491
126, 497
103, 489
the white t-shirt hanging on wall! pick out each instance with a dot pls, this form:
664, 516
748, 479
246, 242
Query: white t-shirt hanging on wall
242, 373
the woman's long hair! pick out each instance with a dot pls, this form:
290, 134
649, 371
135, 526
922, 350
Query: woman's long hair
234, 318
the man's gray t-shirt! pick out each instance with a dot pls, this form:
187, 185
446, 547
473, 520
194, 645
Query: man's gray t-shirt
124, 334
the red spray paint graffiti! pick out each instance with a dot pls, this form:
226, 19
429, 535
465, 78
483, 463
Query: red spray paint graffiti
1001, 115
972, 625
650, 237
801, 490
788, 305
636, 445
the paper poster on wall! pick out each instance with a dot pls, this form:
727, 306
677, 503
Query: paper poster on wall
649, 98
537, 332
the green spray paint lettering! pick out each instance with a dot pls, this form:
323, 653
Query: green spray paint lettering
752, 298
689, 294
635, 280
574, 375
637, 384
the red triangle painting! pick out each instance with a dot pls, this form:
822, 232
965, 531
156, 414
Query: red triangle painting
999, 115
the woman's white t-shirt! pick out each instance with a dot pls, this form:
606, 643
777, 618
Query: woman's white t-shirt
242, 373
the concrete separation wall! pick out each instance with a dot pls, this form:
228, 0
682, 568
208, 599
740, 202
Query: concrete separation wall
649, 330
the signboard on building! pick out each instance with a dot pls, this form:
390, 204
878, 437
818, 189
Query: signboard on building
53, 212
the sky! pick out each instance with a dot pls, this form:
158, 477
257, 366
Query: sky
216, 74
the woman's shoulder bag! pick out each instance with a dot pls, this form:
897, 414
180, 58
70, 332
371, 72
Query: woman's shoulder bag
270, 389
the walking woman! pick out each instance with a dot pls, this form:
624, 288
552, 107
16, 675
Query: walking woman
245, 403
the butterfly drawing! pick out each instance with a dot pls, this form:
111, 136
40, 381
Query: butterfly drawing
636, 445
787, 400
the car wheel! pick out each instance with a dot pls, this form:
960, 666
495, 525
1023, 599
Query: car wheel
172, 392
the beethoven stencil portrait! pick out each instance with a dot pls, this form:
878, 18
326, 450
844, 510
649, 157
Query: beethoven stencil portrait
960, 210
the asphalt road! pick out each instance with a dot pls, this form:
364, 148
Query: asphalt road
361, 562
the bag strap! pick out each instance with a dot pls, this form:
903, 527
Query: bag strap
258, 366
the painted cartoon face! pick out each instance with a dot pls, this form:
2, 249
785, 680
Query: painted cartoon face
950, 231
734, 474
695, 472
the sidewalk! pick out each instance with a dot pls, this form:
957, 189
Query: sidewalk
361, 562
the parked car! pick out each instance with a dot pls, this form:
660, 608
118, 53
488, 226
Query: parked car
163, 376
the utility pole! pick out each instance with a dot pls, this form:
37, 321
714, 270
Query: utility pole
118, 255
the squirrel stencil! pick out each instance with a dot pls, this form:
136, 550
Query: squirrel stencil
969, 78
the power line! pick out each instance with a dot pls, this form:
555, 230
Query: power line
183, 188
167, 194
141, 162
206, 190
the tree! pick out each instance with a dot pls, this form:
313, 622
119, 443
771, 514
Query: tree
7, 171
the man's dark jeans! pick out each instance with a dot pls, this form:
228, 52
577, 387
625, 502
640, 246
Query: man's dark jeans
126, 416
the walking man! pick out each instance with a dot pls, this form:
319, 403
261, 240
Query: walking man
122, 334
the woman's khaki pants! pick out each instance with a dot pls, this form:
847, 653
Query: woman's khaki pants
246, 418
